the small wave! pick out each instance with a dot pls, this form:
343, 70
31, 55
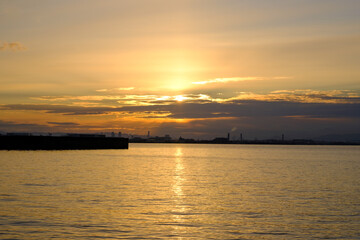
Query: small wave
88, 226
113, 231
26, 223
184, 213
172, 213
178, 224
271, 233
38, 185
34, 223
9, 199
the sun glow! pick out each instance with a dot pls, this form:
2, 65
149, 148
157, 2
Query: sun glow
178, 84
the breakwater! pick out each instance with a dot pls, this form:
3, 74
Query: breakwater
61, 143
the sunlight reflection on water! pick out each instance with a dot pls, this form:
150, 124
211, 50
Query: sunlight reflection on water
179, 209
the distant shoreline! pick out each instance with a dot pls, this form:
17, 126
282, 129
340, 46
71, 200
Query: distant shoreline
257, 142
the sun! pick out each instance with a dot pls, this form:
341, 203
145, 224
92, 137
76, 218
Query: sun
180, 98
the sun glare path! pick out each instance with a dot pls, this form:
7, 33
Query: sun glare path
179, 178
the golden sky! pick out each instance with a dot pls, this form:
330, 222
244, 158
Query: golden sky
191, 68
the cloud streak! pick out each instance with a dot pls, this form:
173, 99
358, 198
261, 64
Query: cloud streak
66, 124
62, 109
12, 46
116, 89
112, 102
238, 79
304, 96
193, 110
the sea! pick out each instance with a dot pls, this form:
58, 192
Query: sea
182, 191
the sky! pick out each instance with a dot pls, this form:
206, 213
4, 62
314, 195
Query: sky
191, 68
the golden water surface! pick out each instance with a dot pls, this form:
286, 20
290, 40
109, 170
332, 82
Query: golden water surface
182, 191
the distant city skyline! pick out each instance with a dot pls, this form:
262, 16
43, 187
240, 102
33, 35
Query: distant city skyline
196, 69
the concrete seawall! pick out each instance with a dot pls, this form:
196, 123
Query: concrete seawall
61, 143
